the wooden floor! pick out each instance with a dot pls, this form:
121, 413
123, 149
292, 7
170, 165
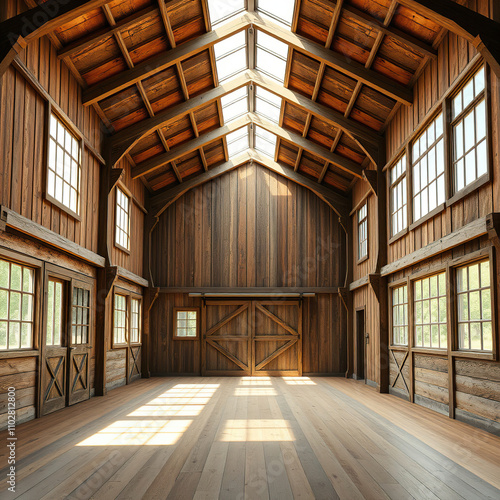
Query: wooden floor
235, 438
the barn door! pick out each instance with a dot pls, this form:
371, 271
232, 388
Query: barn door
277, 338
79, 343
55, 349
226, 342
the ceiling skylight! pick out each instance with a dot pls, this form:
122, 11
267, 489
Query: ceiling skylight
265, 141
222, 10
237, 141
271, 56
267, 104
231, 56
234, 104
278, 10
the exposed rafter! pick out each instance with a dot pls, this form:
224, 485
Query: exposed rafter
123, 141
18, 31
480, 31
159, 63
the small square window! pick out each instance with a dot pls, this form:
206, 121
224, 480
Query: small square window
185, 324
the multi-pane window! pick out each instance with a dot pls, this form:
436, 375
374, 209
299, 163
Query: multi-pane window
398, 196
231, 56
185, 323
122, 222
222, 10
235, 104
64, 166
428, 169
237, 141
265, 141
363, 232
278, 10
474, 307
80, 316
271, 56
430, 312
135, 320
17, 290
267, 104
400, 315
470, 159
120, 320
55, 313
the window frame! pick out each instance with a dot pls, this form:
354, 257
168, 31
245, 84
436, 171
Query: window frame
129, 295
79, 137
391, 287
129, 218
404, 176
358, 226
187, 309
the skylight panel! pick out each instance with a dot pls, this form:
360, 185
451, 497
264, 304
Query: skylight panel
265, 141
231, 56
278, 10
237, 141
267, 104
222, 10
271, 56
234, 104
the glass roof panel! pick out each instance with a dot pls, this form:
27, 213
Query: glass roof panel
271, 65
268, 96
221, 10
237, 145
266, 109
231, 64
234, 96
229, 44
265, 141
235, 109
272, 44
279, 10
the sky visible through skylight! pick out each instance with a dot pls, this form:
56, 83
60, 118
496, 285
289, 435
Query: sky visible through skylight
232, 58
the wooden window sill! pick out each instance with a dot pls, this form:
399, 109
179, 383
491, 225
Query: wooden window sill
485, 178
428, 216
474, 355
430, 350
363, 259
398, 236
62, 207
19, 353
122, 249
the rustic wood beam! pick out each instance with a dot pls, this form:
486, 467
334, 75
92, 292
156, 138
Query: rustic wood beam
192, 145
477, 29
18, 31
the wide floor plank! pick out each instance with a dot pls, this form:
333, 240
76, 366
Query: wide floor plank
251, 438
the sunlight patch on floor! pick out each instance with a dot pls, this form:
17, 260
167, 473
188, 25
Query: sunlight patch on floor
298, 381
257, 430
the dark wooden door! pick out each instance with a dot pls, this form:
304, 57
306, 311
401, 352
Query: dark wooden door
360, 344
226, 338
55, 349
277, 337
252, 338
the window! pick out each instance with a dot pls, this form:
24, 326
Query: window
185, 323
428, 169
120, 320
430, 312
231, 56
122, 222
363, 232
222, 10
64, 166
55, 316
398, 196
400, 315
267, 104
234, 104
80, 316
470, 159
474, 307
135, 326
271, 56
265, 141
278, 10
237, 141
17, 309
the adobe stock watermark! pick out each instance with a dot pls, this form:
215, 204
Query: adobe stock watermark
11, 439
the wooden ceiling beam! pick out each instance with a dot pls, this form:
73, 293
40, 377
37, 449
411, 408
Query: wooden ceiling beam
18, 31
477, 29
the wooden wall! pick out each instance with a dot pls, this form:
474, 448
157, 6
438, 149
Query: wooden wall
249, 227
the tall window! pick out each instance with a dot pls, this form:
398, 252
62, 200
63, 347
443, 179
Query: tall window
80, 316
470, 159
428, 169
185, 323
398, 196
271, 55
55, 313
430, 312
64, 168
120, 320
400, 315
122, 225
17, 290
135, 323
474, 307
363, 232
231, 56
